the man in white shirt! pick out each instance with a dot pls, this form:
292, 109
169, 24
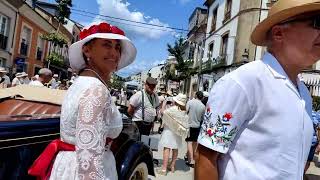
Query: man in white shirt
195, 109
4, 79
143, 107
258, 124
45, 75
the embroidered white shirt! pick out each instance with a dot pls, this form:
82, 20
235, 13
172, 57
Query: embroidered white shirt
260, 122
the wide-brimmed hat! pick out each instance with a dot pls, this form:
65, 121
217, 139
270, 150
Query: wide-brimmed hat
279, 12
181, 99
103, 31
205, 94
24, 74
3, 70
151, 80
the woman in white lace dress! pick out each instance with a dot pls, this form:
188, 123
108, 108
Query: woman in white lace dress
89, 118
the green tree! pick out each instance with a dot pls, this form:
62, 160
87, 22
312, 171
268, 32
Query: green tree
63, 11
183, 66
316, 103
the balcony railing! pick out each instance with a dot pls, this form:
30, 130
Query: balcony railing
3, 42
24, 49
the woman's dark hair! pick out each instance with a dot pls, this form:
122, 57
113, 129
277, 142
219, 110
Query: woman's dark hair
86, 44
84, 56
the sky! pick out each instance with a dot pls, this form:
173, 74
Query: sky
151, 42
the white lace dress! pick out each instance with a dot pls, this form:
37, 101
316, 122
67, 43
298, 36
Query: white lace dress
88, 117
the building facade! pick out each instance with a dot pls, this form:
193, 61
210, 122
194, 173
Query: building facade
30, 49
194, 48
227, 44
8, 18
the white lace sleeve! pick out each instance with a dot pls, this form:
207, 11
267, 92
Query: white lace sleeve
90, 132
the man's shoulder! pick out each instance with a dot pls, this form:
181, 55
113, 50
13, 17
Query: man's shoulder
248, 73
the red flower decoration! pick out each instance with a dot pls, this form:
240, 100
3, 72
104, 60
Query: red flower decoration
84, 34
101, 28
116, 30
93, 29
227, 116
105, 27
210, 132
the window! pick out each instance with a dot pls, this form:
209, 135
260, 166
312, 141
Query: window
4, 30
191, 52
40, 48
2, 62
25, 40
227, 12
214, 20
210, 51
224, 45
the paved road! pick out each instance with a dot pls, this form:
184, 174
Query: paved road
183, 172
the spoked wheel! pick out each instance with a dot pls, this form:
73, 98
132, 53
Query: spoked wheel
140, 172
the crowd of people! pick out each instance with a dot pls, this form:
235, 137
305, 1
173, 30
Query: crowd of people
256, 122
44, 78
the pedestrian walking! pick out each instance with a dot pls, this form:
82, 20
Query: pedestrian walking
195, 111
4, 79
45, 75
143, 107
89, 118
258, 125
175, 120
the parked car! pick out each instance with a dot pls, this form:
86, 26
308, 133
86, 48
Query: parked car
30, 119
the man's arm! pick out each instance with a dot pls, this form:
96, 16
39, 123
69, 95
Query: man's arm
206, 164
131, 110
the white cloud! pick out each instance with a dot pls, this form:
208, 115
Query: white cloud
139, 66
118, 8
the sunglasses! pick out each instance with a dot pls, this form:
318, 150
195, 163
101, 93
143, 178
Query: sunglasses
151, 86
315, 21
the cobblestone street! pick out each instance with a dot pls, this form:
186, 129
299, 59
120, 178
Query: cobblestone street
183, 172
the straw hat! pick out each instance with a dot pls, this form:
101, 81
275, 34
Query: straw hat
3, 70
205, 94
24, 74
180, 99
104, 31
279, 12
19, 75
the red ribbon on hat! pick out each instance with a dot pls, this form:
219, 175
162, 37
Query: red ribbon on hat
101, 28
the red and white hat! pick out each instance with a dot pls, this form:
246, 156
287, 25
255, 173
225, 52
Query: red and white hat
104, 31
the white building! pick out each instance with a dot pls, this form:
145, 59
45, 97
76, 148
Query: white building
8, 17
227, 44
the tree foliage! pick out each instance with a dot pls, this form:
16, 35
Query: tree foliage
184, 66
55, 38
56, 59
316, 103
63, 10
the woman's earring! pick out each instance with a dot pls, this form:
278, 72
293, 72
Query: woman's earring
88, 59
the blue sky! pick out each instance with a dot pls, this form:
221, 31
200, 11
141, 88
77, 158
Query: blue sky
151, 43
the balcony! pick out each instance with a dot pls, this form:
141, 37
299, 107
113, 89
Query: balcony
3, 42
39, 54
23, 49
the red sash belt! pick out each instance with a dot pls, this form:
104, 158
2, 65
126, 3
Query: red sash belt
41, 168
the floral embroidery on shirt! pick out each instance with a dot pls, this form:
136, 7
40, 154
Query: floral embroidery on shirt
221, 132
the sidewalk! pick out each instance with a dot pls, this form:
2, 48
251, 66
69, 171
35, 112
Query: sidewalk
313, 172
